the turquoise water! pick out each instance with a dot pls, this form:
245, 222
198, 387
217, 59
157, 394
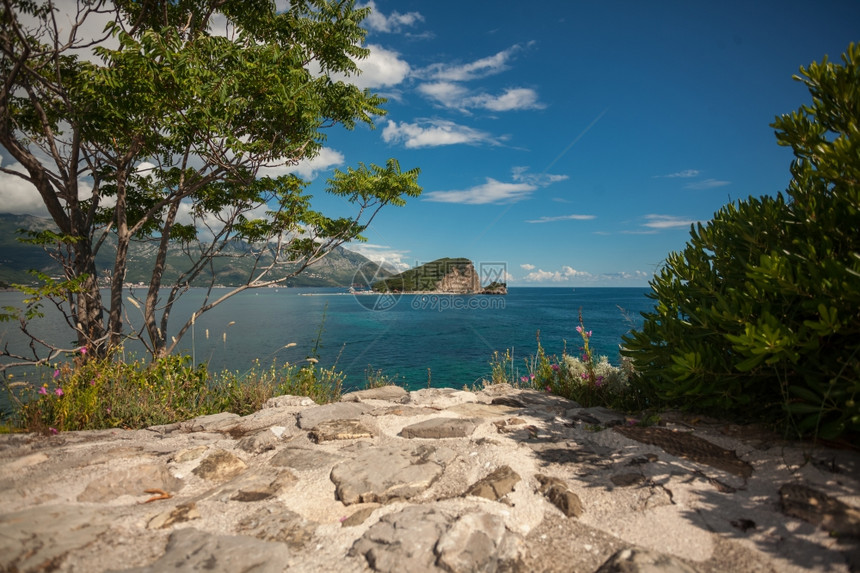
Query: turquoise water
453, 336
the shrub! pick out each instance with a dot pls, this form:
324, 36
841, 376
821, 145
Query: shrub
759, 315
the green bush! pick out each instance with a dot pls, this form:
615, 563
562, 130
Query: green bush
759, 315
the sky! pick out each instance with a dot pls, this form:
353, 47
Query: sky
572, 143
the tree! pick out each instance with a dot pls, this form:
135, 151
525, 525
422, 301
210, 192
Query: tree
760, 313
161, 130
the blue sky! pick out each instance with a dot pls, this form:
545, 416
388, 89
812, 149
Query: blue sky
572, 142
576, 142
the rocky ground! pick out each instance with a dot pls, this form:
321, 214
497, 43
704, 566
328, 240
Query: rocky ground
432, 480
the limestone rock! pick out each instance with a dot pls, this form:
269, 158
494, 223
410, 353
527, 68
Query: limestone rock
263, 420
303, 459
289, 402
422, 539
496, 485
557, 492
390, 393
261, 441
383, 473
310, 418
220, 465
276, 523
598, 415
479, 410
189, 454
212, 423
637, 560
440, 397
179, 514
191, 550
435, 428
331, 430
478, 542
358, 517
627, 479
131, 481
46, 533
256, 485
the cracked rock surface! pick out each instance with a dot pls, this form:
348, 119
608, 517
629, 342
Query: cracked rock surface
435, 480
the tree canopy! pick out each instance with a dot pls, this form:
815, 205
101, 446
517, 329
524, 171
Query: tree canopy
178, 125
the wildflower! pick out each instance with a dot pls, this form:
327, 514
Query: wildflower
312, 360
92, 382
524, 378
531, 377
548, 389
588, 334
56, 373
54, 431
59, 391
555, 367
83, 349
579, 329
43, 391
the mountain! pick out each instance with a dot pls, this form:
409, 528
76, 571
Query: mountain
447, 275
341, 267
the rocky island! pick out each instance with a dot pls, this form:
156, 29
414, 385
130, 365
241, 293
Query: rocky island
442, 276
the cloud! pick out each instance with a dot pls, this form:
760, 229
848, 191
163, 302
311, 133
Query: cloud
512, 99
490, 192
562, 218
19, 196
393, 23
542, 179
382, 254
707, 184
566, 274
433, 133
307, 169
682, 174
668, 222
481, 68
454, 96
381, 68
527, 267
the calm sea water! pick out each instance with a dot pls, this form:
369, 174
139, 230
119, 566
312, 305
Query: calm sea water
452, 336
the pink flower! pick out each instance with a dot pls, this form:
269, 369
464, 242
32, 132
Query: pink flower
579, 329
548, 389
588, 334
59, 391
83, 349
56, 373
54, 431
92, 382
524, 378
43, 391
531, 377
555, 367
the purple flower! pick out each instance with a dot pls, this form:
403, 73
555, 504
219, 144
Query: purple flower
532, 377
54, 431
579, 329
83, 349
59, 391
92, 382
548, 389
524, 378
56, 373
588, 334
43, 391
555, 367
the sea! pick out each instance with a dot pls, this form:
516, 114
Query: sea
415, 340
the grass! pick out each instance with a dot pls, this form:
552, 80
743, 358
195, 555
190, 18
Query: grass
88, 394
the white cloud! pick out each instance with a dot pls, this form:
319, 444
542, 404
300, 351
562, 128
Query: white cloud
512, 99
566, 274
455, 96
306, 168
682, 174
668, 222
433, 133
394, 22
707, 184
490, 192
382, 254
561, 218
19, 196
542, 179
381, 68
473, 70
527, 267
